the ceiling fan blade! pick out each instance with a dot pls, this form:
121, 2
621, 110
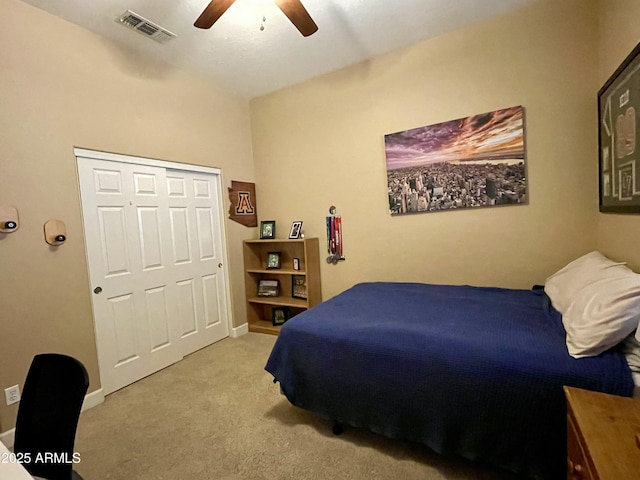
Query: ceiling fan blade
298, 15
212, 13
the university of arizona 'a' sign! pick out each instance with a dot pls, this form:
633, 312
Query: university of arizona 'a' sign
243, 210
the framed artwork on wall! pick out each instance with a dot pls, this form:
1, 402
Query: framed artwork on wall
471, 162
618, 109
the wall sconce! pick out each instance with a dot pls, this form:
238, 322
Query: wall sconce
9, 221
55, 232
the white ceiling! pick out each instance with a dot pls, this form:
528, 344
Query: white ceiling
240, 57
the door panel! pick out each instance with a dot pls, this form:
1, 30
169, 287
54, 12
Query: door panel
121, 323
180, 235
211, 300
206, 246
108, 181
194, 207
157, 308
145, 184
127, 251
114, 247
187, 307
150, 243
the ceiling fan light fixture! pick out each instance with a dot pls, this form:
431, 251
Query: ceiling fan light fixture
293, 9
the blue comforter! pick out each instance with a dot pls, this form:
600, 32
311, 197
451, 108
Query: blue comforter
470, 371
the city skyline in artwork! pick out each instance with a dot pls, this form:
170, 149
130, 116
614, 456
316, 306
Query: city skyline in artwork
476, 161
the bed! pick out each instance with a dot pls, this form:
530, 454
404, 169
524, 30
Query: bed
469, 371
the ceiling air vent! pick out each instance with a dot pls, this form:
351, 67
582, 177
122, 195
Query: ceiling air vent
145, 27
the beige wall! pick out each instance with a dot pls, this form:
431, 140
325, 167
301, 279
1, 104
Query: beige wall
321, 143
619, 32
60, 87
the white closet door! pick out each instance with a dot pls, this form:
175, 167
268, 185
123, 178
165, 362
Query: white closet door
125, 215
198, 258
155, 254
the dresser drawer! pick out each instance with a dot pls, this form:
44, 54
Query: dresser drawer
577, 460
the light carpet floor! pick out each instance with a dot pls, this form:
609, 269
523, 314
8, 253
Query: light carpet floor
218, 415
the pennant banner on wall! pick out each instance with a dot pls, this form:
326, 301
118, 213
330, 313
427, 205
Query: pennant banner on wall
243, 210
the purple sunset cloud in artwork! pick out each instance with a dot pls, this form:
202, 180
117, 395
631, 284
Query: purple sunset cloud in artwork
497, 135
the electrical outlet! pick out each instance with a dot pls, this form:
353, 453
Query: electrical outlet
12, 394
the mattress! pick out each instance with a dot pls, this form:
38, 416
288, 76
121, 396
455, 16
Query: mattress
470, 371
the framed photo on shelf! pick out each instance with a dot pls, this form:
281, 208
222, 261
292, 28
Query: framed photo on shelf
299, 286
273, 260
268, 288
296, 264
268, 230
296, 230
280, 315
618, 108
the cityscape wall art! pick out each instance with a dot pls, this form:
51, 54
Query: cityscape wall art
471, 162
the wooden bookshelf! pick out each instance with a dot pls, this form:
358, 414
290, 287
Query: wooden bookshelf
259, 308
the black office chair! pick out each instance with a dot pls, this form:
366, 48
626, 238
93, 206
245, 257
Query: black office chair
48, 415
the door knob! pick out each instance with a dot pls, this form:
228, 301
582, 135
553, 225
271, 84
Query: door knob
220, 265
97, 290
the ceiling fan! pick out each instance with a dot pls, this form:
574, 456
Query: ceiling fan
293, 9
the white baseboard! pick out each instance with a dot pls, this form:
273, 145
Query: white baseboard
91, 400
8, 437
239, 331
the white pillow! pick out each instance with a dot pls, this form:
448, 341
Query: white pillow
599, 300
631, 350
563, 286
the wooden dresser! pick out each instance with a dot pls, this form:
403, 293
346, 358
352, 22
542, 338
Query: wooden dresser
603, 436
